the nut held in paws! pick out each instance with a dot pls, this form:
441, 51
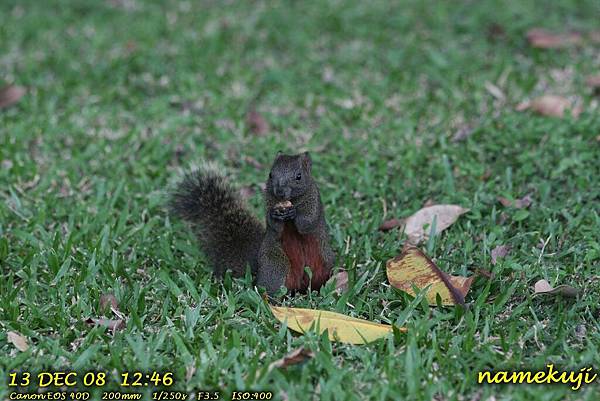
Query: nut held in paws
283, 205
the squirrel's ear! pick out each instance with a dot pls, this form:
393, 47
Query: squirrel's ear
306, 160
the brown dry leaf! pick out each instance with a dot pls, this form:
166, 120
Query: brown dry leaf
341, 281
256, 123
391, 224
18, 340
462, 133
108, 301
593, 81
522, 203
340, 327
413, 268
551, 106
544, 287
295, 357
543, 39
484, 273
10, 94
499, 252
418, 225
111, 324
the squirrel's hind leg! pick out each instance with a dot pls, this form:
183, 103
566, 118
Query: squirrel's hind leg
273, 266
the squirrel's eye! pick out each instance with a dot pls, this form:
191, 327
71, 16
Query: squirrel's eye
270, 175
298, 176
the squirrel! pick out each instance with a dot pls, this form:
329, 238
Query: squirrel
296, 233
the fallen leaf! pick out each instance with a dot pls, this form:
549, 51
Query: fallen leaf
499, 252
551, 106
295, 357
580, 331
593, 82
484, 273
462, 133
17, 340
517, 203
418, 225
544, 287
111, 324
108, 301
341, 281
413, 268
340, 327
391, 224
189, 372
253, 162
494, 90
10, 94
543, 39
256, 123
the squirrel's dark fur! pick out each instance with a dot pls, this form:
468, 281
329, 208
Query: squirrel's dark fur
232, 237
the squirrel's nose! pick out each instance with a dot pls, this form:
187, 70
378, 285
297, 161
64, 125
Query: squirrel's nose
282, 192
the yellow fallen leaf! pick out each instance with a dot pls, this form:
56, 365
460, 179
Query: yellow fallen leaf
340, 327
413, 267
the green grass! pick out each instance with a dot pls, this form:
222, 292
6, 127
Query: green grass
122, 98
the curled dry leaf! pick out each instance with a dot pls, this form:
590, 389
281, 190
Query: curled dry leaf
518, 203
18, 340
297, 356
543, 39
418, 225
391, 224
339, 327
111, 324
413, 268
10, 95
256, 123
551, 106
544, 287
499, 252
108, 301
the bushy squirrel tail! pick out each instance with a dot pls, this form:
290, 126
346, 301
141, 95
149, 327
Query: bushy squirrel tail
228, 233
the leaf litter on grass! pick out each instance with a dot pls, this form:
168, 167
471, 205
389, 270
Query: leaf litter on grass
543, 287
413, 268
418, 226
341, 328
551, 106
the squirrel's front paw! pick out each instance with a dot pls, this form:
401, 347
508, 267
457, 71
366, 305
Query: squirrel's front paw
281, 214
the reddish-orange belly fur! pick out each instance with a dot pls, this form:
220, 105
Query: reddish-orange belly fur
302, 250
